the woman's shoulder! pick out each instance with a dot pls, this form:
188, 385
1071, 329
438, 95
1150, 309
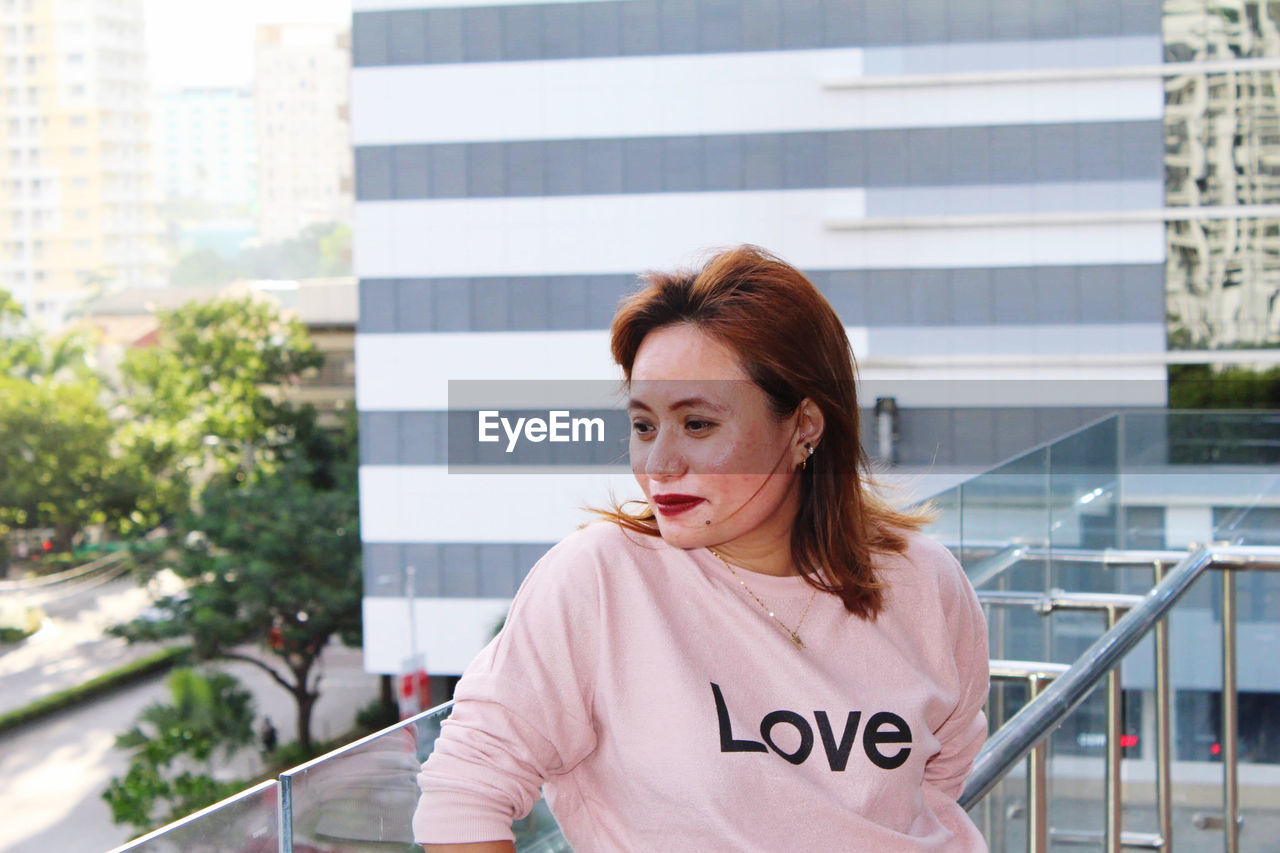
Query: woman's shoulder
594, 548
605, 539
926, 563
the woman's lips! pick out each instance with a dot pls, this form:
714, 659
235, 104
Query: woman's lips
673, 504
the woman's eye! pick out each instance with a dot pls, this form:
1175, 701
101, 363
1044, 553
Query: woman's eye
696, 425
641, 428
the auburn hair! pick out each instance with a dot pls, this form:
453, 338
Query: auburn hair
793, 346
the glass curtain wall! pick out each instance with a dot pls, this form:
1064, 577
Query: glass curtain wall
1222, 151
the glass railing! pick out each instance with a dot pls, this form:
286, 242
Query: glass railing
1039, 525
244, 823
362, 796
1040, 528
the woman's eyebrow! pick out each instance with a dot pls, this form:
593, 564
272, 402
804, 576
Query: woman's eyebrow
685, 403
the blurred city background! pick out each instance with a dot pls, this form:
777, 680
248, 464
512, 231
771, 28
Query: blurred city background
246, 246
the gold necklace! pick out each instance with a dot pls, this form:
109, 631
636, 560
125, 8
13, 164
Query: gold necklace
795, 635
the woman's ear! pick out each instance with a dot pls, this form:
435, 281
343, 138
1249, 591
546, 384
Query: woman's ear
809, 425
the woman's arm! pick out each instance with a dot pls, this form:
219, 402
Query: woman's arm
522, 711
478, 847
964, 732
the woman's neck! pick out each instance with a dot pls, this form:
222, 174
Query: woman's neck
765, 551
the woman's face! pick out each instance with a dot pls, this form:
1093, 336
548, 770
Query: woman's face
714, 461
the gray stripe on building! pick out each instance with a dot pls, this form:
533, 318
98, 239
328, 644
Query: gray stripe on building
451, 438
928, 435
961, 200
1002, 154
978, 296
491, 304
495, 570
962, 57
1067, 337
488, 570
975, 438
661, 27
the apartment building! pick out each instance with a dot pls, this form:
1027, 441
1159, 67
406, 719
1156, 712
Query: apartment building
975, 186
304, 174
75, 168
205, 149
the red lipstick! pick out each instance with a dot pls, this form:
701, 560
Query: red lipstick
675, 504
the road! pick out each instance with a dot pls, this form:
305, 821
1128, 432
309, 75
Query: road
70, 647
52, 773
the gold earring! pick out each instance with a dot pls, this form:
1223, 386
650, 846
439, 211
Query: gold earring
804, 463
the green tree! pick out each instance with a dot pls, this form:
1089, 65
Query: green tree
1206, 386
27, 354
210, 391
60, 468
272, 561
174, 744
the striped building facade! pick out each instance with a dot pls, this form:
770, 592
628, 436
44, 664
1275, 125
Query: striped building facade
976, 185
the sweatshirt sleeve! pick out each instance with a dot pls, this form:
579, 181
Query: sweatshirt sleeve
965, 729
522, 711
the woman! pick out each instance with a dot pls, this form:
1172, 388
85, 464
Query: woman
764, 656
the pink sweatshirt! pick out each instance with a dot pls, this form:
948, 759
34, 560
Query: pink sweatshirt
659, 707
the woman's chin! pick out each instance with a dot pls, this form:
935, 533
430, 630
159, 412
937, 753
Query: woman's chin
684, 536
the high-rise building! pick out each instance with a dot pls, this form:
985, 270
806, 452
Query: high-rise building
75, 167
976, 187
1223, 167
300, 83
204, 148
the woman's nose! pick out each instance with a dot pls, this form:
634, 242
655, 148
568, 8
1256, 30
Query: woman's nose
664, 460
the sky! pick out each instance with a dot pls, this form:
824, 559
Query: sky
198, 43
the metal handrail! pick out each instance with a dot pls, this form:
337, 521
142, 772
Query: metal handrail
1041, 715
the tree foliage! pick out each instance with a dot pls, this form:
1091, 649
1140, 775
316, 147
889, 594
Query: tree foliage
173, 745
1204, 386
210, 391
60, 470
272, 560
63, 468
27, 354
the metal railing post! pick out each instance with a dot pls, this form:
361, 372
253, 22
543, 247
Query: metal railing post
1230, 716
1113, 804
284, 838
1035, 674
1164, 746
1038, 781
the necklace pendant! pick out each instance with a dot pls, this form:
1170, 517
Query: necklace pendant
799, 643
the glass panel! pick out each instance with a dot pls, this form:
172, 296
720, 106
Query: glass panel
1083, 496
1148, 480
245, 823
946, 528
1005, 505
362, 797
